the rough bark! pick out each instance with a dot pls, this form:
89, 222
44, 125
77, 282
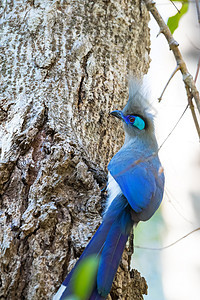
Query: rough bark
63, 68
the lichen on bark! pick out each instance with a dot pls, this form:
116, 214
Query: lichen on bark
63, 68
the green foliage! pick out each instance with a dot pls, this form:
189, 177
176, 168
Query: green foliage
173, 21
84, 278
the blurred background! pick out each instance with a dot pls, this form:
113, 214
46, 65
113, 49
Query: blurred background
173, 273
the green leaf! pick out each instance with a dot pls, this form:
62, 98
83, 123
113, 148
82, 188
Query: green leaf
85, 277
173, 22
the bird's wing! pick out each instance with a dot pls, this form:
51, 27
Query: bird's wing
135, 179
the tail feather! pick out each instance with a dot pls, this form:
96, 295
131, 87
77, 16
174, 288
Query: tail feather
112, 253
108, 243
95, 296
95, 246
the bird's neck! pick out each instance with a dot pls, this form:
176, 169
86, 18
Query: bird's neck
145, 142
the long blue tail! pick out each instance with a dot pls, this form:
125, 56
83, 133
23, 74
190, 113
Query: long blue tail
108, 244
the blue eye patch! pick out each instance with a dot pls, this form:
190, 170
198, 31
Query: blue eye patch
136, 121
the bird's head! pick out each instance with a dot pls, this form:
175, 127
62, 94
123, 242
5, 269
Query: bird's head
136, 115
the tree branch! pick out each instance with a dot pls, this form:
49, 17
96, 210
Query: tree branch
198, 10
170, 245
192, 110
174, 72
197, 72
187, 77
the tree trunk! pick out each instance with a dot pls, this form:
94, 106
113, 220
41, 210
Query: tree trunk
64, 66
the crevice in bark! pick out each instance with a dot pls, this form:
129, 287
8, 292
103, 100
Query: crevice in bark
67, 261
80, 92
69, 252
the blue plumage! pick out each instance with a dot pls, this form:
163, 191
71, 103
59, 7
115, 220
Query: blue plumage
112, 251
95, 295
94, 247
136, 184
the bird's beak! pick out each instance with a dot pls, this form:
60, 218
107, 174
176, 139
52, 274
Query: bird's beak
117, 113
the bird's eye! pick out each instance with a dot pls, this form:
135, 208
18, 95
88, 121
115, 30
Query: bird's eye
132, 119
136, 121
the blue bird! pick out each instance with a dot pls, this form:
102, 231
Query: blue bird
135, 191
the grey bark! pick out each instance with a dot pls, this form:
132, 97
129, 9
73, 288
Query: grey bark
63, 68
